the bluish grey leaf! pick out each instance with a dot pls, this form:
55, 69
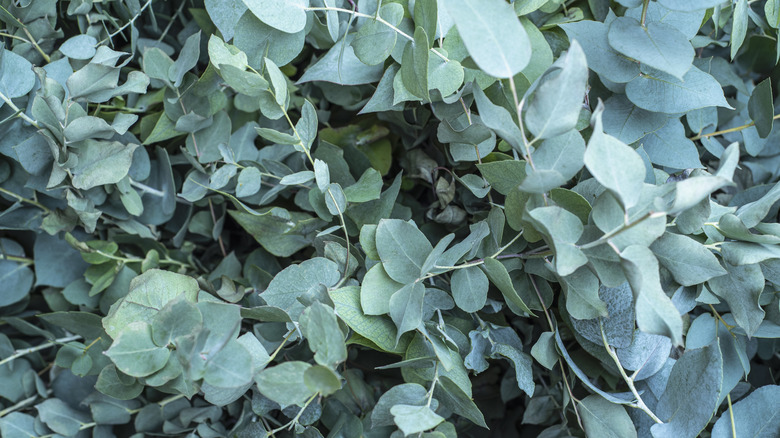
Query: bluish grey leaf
294, 281
341, 66
375, 41
691, 394
562, 229
741, 288
659, 92
602, 59
655, 312
16, 75
604, 419
761, 108
657, 44
739, 27
756, 415
555, 104
556, 161
492, 34
614, 164
670, 147
286, 15
406, 307
469, 288
627, 122
402, 249
259, 40
498, 119
689, 261
225, 15
79, 47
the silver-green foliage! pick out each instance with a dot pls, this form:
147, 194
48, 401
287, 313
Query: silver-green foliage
389, 218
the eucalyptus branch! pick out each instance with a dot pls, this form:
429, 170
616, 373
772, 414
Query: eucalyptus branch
640, 404
24, 260
519, 108
132, 20
21, 113
25, 200
623, 228
643, 19
21, 353
379, 19
560, 362
726, 131
22, 404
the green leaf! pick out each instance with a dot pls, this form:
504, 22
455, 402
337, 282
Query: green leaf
380, 331
498, 119
582, 295
188, 58
454, 398
544, 350
414, 419
499, 276
249, 182
657, 44
179, 317
134, 353
149, 293
602, 59
376, 289
79, 47
614, 164
414, 68
670, 147
556, 161
287, 15
555, 105
562, 229
691, 394
504, 175
375, 41
761, 108
61, 418
739, 26
16, 75
285, 383
425, 14
111, 384
322, 380
752, 213
101, 162
404, 393
367, 188
340, 66
689, 261
604, 419
522, 363
663, 93
296, 280
18, 425
755, 415
321, 329
493, 35
259, 40
627, 122
402, 249
406, 307
469, 288
225, 15
225, 54
618, 321
655, 312
230, 367
741, 287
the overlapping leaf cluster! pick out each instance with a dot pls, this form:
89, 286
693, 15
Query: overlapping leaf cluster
428, 218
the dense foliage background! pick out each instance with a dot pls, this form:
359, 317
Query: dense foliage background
429, 218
